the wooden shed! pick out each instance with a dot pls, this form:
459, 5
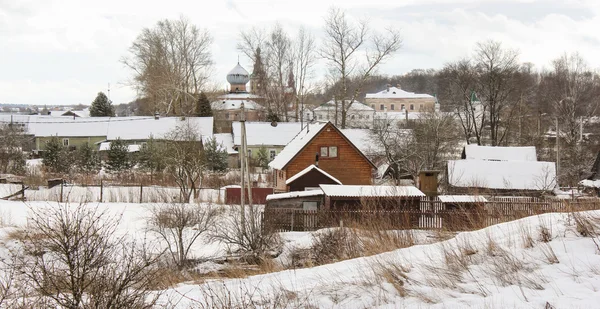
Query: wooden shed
380, 197
310, 178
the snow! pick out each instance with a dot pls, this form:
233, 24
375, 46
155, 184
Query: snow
590, 183
500, 271
105, 146
308, 169
370, 191
495, 153
356, 106
462, 198
519, 175
263, 133
361, 138
235, 105
294, 194
295, 145
394, 92
225, 140
144, 127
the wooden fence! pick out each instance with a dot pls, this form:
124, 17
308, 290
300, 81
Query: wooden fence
433, 214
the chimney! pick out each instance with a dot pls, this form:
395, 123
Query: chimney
388, 87
317, 159
398, 86
156, 116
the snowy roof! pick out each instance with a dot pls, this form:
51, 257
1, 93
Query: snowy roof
67, 126
225, 140
295, 145
263, 133
500, 153
361, 138
394, 92
300, 141
515, 175
235, 105
356, 106
370, 191
238, 96
144, 127
308, 169
462, 198
105, 146
294, 194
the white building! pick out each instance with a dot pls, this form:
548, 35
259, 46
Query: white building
359, 115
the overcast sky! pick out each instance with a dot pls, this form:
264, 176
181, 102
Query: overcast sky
65, 51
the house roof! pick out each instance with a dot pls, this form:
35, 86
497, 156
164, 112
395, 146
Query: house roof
370, 191
225, 140
362, 139
235, 105
395, 92
293, 194
308, 169
303, 138
263, 133
476, 152
462, 199
514, 175
140, 129
356, 106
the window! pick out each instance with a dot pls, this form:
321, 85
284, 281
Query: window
381, 107
412, 107
320, 117
249, 153
352, 117
333, 151
329, 151
144, 145
421, 107
226, 115
272, 154
373, 106
392, 107
65, 142
402, 106
360, 116
323, 151
367, 116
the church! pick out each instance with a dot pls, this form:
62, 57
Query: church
226, 108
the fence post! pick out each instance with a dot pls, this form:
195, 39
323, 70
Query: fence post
101, 189
23, 190
141, 191
61, 190
292, 221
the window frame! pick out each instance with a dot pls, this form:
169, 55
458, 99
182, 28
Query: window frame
327, 148
67, 142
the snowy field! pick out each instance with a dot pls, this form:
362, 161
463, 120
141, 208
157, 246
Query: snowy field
521, 264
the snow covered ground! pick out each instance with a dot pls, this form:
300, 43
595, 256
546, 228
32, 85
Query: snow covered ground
520, 264
505, 266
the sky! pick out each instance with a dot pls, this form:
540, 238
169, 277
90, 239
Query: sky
63, 52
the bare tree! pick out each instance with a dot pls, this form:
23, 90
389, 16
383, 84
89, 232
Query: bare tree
344, 41
304, 58
179, 226
496, 67
171, 64
74, 257
184, 158
13, 142
460, 81
279, 58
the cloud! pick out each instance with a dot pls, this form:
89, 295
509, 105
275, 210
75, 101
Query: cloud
65, 51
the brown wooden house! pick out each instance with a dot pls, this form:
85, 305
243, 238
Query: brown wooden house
330, 150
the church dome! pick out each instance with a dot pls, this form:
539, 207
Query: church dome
238, 76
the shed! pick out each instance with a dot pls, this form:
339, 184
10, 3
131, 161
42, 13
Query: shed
381, 197
299, 200
310, 178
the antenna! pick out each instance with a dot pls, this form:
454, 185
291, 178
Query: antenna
238, 58
109, 92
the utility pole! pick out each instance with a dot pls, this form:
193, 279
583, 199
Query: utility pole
242, 164
557, 153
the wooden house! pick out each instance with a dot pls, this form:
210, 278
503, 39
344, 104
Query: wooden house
327, 148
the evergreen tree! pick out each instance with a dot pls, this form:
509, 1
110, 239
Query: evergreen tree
118, 157
102, 107
216, 156
56, 156
203, 106
87, 159
271, 116
152, 156
262, 157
